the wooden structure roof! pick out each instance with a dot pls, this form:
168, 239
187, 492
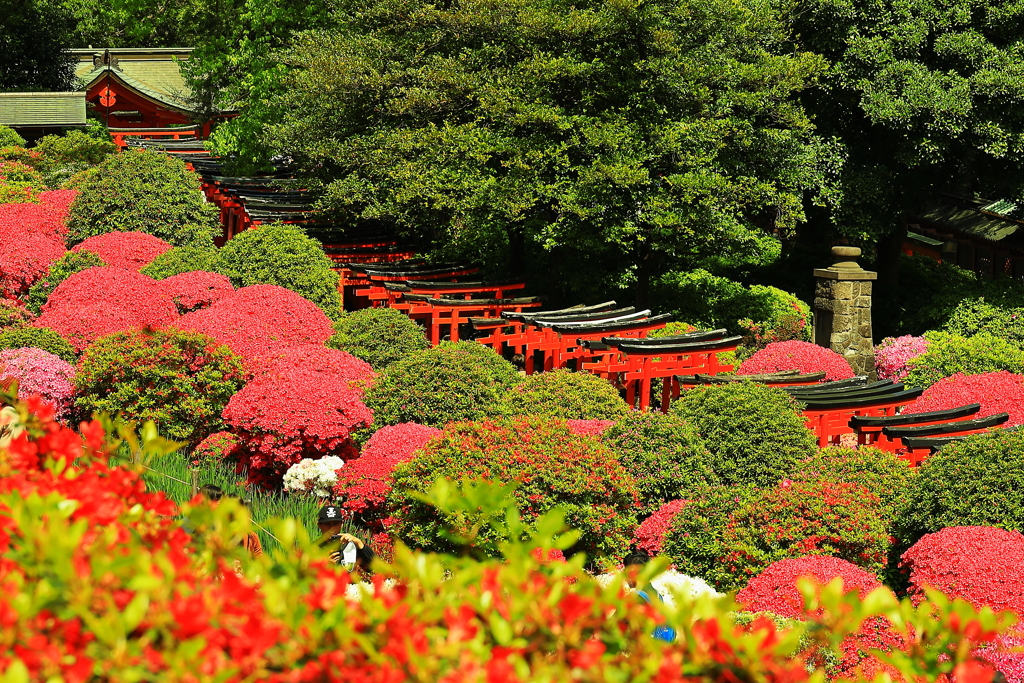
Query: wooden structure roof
153, 73
42, 109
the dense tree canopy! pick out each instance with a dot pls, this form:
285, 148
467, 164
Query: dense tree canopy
34, 37
646, 131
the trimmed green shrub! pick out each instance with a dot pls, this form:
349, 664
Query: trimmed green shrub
60, 270
664, 454
380, 336
143, 191
453, 382
978, 481
180, 380
755, 434
791, 520
550, 465
977, 316
282, 255
564, 394
887, 476
764, 314
73, 147
10, 138
12, 315
948, 354
672, 329
44, 338
188, 259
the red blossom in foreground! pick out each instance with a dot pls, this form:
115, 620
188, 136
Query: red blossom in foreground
589, 427
650, 535
196, 289
260, 322
100, 301
997, 392
980, 564
128, 250
775, 590
363, 484
797, 355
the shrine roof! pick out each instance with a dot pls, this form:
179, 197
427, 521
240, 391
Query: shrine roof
42, 109
154, 73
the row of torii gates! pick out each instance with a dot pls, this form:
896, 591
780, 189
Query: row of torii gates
619, 343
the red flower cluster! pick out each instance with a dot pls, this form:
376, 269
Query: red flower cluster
775, 590
333, 365
650, 535
797, 355
31, 238
589, 427
128, 250
260, 322
195, 290
364, 484
997, 392
980, 564
294, 412
100, 301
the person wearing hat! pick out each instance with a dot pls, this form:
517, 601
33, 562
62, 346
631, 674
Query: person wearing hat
352, 552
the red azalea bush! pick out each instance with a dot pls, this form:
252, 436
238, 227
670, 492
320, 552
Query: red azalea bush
217, 447
775, 590
100, 301
551, 466
195, 290
981, 564
333, 365
260, 322
589, 427
286, 416
25, 256
650, 535
128, 250
997, 392
364, 483
797, 355
728, 546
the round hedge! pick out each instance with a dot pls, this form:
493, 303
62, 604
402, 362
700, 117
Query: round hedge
380, 336
453, 382
797, 355
20, 337
563, 394
664, 454
143, 191
978, 481
180, 380
887, 476
60, 270
551, 465
187, 259
950, 354
790, 520
282, 255
755, 434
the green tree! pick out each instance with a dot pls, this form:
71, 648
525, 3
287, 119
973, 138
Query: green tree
922, 97
634, 134
34, 37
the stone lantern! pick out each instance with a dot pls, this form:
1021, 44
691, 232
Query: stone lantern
842, 310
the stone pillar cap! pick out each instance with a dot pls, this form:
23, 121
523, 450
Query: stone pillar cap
846, 266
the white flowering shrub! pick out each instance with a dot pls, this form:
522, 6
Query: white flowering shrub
313, 476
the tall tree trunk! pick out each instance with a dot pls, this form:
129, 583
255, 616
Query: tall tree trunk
516, 250
889, 249
644, 266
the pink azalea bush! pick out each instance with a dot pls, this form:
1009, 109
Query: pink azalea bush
892, 354
364, 484
195, 290
797, 355
100, 301
43, 374
650, 535
128, 250
997, 392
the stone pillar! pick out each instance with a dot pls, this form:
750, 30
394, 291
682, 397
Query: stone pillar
842, 310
